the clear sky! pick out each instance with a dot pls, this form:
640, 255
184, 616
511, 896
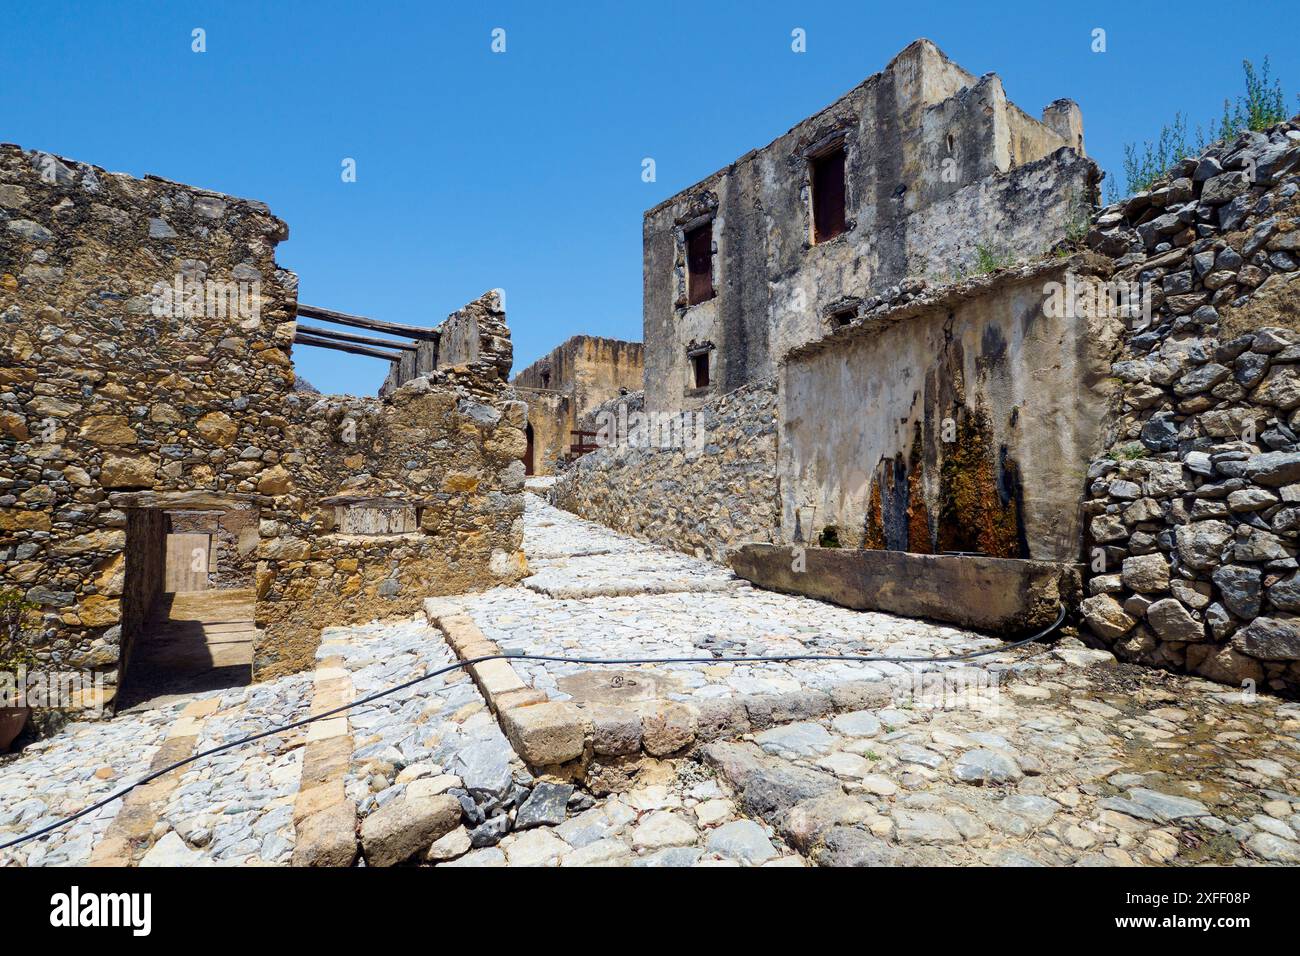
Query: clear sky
522, 170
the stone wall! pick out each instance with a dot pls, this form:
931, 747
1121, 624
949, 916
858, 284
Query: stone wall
472, 347
937, 163
1195, 511
957, 420
144, 345
396, 499
707, 497
145, 336
568, 383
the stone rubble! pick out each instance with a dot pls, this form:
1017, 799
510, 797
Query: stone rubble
1194, 508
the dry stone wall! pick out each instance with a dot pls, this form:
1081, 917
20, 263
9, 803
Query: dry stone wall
144, 345
397, 499
1194, 514
715, 491
145, 368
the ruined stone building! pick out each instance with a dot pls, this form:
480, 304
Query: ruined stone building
910, 390
563, 387
147, 392
912, 175
834, 285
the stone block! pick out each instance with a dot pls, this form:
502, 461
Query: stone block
546, 734
327, 837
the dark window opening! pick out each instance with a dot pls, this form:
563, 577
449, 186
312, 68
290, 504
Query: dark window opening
699, 264
841, 318
700, 367
828, 195
546, 380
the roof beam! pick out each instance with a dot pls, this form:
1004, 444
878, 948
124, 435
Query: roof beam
358, 339
361, 322
303, 339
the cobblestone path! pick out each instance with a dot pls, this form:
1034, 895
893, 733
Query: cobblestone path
1054, 756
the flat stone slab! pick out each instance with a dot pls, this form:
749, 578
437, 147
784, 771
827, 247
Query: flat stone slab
637, 572
1002, 595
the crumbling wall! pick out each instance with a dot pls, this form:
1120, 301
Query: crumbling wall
145, 331
938, 164
568, 383
394, 499
550, 416
705, 494
959, 419
474, 347
1194, 512
144, 346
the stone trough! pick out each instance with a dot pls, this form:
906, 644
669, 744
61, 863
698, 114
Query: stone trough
997, 595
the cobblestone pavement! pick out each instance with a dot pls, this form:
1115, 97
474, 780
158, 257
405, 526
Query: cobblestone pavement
728, 618
1101, 765
1057, 757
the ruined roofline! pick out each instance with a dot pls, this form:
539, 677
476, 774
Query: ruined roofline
921, 43
948, 296
67, 161
572, 341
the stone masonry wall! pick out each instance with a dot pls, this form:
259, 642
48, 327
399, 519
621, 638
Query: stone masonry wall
394, 499
568, 383
145, 368
144, 345
1194, 514
703, 500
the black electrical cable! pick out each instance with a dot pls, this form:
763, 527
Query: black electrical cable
764, 659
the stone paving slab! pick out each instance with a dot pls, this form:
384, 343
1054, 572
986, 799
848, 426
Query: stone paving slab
1101, 766
84, 763
731, 619
591, 573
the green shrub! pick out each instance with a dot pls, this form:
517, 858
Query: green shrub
1263, 105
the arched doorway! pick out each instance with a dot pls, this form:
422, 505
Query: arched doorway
528, 450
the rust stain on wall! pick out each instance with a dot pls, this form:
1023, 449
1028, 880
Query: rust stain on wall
875, 536
918, 515
979, 501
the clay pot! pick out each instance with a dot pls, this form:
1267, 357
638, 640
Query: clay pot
12, 722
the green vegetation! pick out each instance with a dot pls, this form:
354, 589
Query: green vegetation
987, 259
15, 613
1262, 106
1130, 452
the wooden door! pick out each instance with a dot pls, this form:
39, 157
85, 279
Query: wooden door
187, 562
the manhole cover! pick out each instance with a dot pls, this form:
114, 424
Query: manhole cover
617, 687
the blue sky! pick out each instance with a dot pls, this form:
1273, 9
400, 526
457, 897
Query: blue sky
522, 170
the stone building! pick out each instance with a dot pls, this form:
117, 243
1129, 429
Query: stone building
917, 173
146, 335
563, 387
956, 420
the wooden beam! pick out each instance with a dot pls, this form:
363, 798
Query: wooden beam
302, 339
359, 339
361, 322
